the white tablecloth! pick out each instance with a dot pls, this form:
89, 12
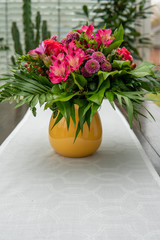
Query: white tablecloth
111, 195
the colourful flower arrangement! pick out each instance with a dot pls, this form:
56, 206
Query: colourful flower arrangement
83, 68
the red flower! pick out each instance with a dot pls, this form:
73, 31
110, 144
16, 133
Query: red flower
52, 47
126, 55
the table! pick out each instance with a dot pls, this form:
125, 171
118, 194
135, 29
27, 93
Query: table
111, 195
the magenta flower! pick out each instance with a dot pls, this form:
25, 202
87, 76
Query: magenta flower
88, 30
98, 56
92, 66
60, 56
74, 60
41, 49
106, 66
71, 49
59, 72
104, 35
85, 73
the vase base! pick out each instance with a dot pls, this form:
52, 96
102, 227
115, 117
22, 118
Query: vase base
79, 149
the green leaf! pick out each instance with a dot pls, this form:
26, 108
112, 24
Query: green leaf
77, 132
55, 112
119, 99
81, 80
34, 101
59, 117
118, 33
56, 89
93, 110
61, 98
129, 109
42, 99
121, 64
87, 118
81, 117
72, 112
141, 71
75, 81
85, 10
112, 46
109, 96
87, 108
20, 103
49, 97
34, 111
65, 109
80, 102
11, 100
98, 97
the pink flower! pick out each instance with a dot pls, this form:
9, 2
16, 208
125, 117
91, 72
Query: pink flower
71, 49
92, 66
38, 52
125, 54
98, 56
106, 66
88, 30
41, 49
74, 60
59, 57
59, 72
104, 37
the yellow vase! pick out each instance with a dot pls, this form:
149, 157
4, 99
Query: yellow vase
86, 143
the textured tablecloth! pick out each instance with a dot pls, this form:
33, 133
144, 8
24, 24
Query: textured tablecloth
111, 195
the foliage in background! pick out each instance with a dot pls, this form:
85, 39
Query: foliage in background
34, 33
156, 98
116, 12
3, 47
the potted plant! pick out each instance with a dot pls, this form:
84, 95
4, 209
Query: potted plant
72, 77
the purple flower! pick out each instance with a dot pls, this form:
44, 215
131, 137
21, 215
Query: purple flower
98, 56
72, 36
54, 37
85, 73
64, 41
106, 66
89, 51
92, 66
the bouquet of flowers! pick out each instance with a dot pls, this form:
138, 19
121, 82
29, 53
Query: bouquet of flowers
83, 68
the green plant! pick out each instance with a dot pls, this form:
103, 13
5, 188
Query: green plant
33, 33
116, 12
